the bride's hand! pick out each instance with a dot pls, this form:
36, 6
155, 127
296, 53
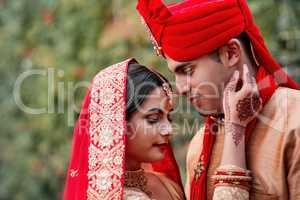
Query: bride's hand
242, 106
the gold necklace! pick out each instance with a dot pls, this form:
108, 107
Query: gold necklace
137, 179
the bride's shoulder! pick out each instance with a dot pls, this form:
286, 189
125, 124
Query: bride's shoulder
160, 180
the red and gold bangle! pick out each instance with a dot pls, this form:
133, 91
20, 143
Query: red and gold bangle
232, 173
232, 170
232, 178
242, 185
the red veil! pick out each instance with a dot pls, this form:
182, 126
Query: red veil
96, 170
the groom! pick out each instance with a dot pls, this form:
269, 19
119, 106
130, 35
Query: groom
204, 42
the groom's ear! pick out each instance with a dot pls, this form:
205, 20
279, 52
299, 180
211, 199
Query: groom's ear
230, 53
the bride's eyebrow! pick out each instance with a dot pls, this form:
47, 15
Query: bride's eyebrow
155, 110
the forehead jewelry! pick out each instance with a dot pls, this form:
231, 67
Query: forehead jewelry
165, 86
167, 89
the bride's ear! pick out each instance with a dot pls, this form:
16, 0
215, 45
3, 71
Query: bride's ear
129, 130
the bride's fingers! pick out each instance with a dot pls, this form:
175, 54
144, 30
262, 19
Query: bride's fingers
245, 74
231, 86
249, 82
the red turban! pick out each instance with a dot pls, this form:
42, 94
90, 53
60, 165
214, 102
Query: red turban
188, 30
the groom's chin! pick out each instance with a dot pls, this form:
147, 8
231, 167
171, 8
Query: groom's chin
215, 115
210, 113
205, 116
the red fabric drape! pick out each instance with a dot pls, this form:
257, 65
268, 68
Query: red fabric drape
76, 184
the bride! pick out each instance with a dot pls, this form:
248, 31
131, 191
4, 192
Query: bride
121, 146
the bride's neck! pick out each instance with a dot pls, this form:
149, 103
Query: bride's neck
132, 165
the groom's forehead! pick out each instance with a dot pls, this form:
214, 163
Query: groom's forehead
174, 65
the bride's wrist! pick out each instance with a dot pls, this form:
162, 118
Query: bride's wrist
234, 122
235, 132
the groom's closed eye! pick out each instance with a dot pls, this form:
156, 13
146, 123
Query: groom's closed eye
153, 119
179, 67
183, 68
188, 70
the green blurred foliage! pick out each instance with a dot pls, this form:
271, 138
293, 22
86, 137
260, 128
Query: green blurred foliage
72, 40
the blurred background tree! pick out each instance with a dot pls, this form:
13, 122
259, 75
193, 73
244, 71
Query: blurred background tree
64, 43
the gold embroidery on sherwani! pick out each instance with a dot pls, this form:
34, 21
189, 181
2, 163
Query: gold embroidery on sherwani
199, 168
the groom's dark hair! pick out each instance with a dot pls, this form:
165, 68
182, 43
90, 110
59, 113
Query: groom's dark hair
141, 81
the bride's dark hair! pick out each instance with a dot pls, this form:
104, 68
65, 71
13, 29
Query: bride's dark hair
141, 81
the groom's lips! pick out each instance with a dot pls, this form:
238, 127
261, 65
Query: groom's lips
193, 97
194, 100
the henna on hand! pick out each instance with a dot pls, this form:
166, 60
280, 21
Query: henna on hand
248, 106
231, 86
250, 79
241, 106
237, 132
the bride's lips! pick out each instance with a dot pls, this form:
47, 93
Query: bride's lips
161, 146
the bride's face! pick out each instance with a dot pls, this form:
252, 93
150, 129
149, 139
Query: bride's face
149, 129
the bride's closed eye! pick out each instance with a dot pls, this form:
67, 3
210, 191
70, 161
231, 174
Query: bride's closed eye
152, 119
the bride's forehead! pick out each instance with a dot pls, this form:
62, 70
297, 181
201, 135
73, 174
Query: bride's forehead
157, 98
155, 95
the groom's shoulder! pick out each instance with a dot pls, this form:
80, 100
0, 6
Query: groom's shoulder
282, 110
195, 146
198, 136
285, 99
193, 153
288, 95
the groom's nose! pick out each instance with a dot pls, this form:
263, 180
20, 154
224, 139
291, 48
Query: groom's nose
182, 87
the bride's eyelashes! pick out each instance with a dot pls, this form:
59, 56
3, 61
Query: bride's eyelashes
153, 116
153, 119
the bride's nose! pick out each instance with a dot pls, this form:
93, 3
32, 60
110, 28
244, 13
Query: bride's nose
166, 129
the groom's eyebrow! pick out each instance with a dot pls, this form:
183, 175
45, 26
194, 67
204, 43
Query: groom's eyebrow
181, 66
